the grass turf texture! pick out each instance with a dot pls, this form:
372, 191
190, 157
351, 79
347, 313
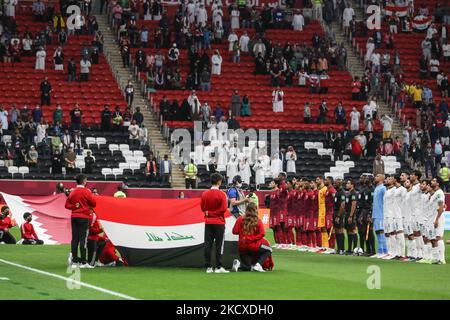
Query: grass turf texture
297, 276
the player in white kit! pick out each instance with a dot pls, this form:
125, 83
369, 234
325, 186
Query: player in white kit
399, 238
389, 204
423, 218
416, 205
436, 222
407, 210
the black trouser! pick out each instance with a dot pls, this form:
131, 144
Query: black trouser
80, 228
92, 252
7, 237
45, 99
249, 258
190, 183
214, 233
32, 241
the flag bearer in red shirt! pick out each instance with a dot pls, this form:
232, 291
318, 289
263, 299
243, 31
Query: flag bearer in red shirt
254, 250
6, 223
29, 236
214, 204
80, 201
95, 229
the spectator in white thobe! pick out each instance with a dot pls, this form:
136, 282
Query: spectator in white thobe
298, 21
243, 42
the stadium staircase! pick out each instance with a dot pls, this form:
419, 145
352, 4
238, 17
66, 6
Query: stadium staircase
123, 75
356, 66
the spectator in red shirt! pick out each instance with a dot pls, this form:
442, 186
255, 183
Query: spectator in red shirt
29, 236
214, 204
5, 224
254, 249
80, 201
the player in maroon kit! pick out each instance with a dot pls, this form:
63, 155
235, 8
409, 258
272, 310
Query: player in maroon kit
300, 214
274, 221
329, 205
291, 211
317, 235
309, 217
283, 195
29, 236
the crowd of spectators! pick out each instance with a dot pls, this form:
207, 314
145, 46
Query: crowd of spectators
27, 137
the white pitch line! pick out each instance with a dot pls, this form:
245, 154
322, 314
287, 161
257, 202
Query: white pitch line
84, 284
4, 279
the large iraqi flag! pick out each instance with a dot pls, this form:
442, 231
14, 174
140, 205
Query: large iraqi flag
146, 232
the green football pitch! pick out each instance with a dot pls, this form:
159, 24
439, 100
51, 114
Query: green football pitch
39, 272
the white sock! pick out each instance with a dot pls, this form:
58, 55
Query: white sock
435, 253
408, 247
401, 245
412, 251
441, 246
427, 251
420, 246
389, 244
393, 245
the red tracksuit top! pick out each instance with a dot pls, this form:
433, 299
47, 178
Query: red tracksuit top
249, 242
214, 204
84, 198
27, 231
5, 223
94, 228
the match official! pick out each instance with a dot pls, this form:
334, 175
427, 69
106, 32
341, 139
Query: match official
80, 201
214, 204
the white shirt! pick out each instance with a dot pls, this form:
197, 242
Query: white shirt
389, 202
434, 65
376, 59
355, 115
134, 131
367, 109
436, 199
166, 166
400, 194
84, 66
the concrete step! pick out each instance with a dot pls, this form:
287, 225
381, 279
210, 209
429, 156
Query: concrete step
124, 75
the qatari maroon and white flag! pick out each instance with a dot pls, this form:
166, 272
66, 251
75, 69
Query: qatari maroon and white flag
51, 220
